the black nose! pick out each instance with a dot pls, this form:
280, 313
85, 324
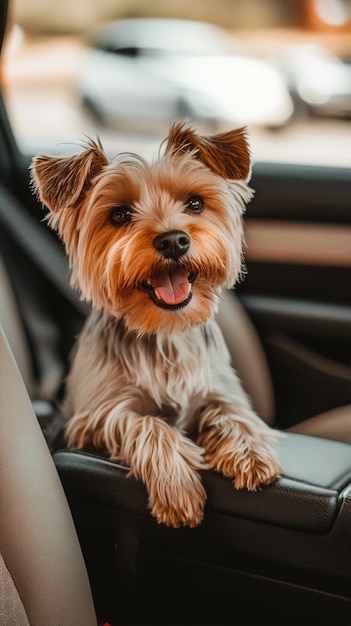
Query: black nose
172, 244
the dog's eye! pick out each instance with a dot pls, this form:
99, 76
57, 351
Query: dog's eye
195, 204
121, 215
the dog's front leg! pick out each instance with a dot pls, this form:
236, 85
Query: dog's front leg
167, 462
157, 453
238, 443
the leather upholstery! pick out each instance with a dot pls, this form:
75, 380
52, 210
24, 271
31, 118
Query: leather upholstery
305, 497
38, 541
11, 607
270, 557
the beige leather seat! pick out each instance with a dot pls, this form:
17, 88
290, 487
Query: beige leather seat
13, 328
43, 579
250, 362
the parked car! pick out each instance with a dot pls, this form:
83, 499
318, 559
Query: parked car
319, 81
78, 546
147, 72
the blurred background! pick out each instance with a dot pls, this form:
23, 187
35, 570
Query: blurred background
123, 69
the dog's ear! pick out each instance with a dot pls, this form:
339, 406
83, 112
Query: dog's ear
226, 154
63, 181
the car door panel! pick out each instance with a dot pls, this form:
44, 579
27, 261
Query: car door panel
297, 288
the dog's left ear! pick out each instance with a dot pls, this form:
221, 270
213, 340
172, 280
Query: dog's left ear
62, 182
226, 154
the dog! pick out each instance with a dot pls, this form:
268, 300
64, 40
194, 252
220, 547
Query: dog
151, 246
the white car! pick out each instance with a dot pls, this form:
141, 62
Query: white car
319, 81
144, 73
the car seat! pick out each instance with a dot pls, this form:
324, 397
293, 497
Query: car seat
14, 329
249, 360
43, 578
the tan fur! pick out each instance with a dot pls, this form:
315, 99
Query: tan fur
151, 385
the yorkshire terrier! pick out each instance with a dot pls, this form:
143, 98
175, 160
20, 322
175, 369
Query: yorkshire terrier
151, 246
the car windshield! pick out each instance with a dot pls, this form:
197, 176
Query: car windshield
109, 69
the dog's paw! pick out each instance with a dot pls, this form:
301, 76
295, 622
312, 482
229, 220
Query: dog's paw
180, 504
168, 464
250, 461
250, 470
255, 471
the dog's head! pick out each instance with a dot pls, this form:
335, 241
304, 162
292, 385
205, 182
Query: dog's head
153, 243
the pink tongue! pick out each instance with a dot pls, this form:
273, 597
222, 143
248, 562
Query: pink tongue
171, 287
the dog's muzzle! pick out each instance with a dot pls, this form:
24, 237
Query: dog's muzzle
171, 288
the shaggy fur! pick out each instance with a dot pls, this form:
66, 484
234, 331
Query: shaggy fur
151, 246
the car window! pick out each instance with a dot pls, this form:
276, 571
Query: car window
281, 69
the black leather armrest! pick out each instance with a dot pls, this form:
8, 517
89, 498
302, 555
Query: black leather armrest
286, 545
306, 497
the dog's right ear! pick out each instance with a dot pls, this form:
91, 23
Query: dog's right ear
226, 154
63, 181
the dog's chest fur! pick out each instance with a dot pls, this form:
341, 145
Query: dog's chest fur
166, 376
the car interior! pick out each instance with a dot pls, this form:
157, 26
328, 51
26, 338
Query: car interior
77, 542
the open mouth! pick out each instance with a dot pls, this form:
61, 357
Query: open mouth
170, 290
